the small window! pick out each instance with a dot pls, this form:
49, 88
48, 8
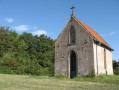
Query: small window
104, 59
72, 36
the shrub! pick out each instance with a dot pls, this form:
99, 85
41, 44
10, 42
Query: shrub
116, 71
8, 60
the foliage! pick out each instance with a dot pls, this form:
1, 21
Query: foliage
116, 67
91, 74
116, 70
25, 53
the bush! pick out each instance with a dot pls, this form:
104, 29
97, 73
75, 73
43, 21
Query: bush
116, 71
116, 67
8, 60
6, 70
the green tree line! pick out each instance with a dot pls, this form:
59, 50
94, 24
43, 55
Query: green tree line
28, 54
25, 53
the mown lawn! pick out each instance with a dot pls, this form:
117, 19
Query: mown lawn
25, 82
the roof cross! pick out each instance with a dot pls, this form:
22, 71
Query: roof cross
72, 8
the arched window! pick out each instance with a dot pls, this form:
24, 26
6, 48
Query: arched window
72, 36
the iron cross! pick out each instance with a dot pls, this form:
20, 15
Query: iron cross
72, 8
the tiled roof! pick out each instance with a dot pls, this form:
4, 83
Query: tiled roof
95, 35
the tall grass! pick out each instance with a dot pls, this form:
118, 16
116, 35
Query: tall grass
110, 79
30, 82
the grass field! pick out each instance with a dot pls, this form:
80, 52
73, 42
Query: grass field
25, 82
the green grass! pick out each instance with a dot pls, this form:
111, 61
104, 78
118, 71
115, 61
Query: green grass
25, 82
109, 79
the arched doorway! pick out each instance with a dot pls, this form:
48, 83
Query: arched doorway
72, 64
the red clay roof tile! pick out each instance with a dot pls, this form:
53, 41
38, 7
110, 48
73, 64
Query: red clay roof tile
93, 33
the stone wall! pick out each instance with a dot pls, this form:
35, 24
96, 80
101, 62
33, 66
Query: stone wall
83, 49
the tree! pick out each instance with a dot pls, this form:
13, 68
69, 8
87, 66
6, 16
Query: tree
25, 53
116, 67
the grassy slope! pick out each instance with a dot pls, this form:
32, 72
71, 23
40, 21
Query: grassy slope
24, 82
111, 79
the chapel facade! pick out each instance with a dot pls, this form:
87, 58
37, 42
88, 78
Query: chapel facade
80, 51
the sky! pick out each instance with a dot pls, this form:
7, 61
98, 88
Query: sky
50, 16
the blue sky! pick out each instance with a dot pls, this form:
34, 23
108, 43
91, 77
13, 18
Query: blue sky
50, 16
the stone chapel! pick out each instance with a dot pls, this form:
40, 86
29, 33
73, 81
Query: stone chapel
80, 51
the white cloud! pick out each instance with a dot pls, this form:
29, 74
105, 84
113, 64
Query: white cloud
103, 35
33, 27
28, 28
109, 34
10, 20
39, 32
112, 33
22, 28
